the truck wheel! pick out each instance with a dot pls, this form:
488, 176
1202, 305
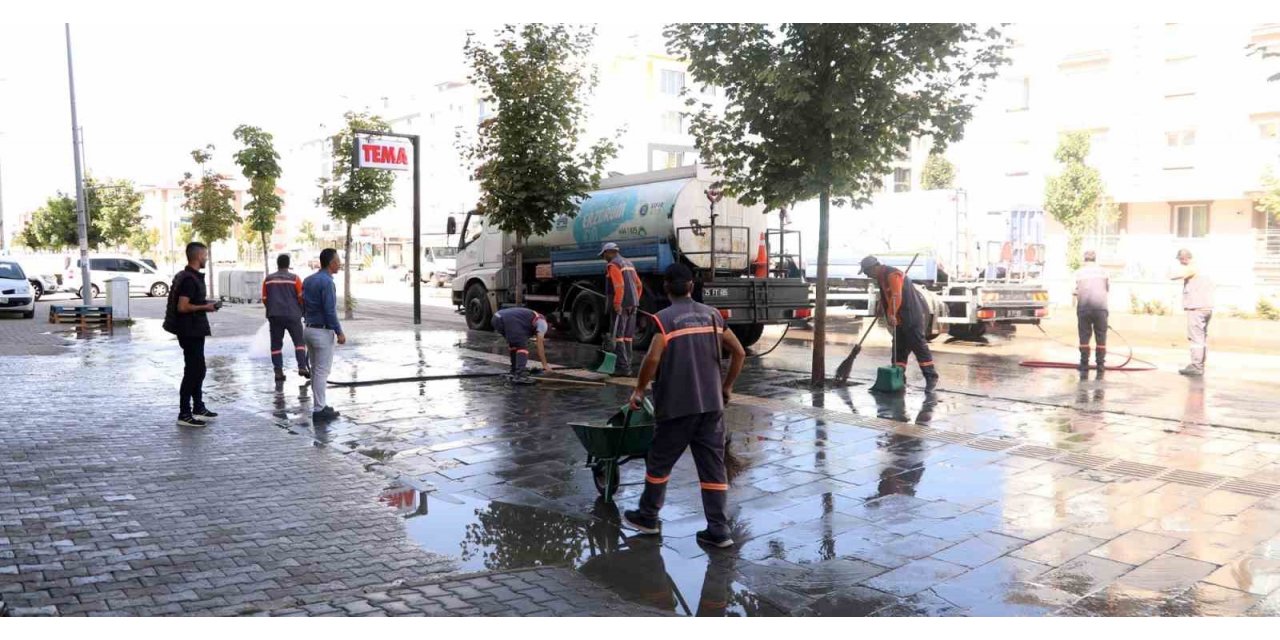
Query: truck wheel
589, 318
748, 334
930, 330
478, 310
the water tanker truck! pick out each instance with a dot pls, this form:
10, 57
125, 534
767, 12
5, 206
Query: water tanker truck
657, 219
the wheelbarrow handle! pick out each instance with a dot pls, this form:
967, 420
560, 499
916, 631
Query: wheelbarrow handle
628, 412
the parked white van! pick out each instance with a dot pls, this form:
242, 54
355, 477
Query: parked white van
142, 278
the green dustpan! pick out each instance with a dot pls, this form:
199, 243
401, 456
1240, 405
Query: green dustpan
889, 380
607, 364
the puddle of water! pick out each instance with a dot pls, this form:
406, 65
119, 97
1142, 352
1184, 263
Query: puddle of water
496, 536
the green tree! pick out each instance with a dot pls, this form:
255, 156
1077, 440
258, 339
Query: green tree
208, 198
351, 194
1075, 197
114, 208
186, 233
824, 110
528, 158
1269, 202
260, 163
938, 173
307, 235
143, 241
53, 226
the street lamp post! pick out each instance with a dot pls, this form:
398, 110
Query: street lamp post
82, 226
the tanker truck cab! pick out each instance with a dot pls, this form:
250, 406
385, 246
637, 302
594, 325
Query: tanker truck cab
657, 219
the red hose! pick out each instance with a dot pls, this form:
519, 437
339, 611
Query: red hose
1124, 366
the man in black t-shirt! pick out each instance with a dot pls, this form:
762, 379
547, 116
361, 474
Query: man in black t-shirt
187, 318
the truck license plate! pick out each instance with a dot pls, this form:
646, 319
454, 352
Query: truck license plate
1016, 313
715, 293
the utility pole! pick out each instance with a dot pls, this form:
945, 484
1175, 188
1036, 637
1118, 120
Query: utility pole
82, 226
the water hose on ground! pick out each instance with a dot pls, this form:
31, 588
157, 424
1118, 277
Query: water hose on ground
1124, 366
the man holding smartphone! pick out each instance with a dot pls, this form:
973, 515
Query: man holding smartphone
186, 316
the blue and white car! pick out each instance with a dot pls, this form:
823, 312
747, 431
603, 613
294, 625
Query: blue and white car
16, 295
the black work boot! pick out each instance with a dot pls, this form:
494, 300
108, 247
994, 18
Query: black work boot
930, 378
1100, 356
279, 374
1084, 360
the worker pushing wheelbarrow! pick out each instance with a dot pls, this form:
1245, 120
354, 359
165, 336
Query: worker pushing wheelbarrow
690, 393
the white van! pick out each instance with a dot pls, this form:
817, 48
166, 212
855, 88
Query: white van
142, 278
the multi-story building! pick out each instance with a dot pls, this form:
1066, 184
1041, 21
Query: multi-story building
1183, 125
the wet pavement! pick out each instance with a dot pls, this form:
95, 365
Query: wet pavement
1086, 498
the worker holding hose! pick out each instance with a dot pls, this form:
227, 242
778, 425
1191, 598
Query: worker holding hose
904, 311
1092, 287
622, 288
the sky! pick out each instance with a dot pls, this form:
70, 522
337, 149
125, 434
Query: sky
147, 94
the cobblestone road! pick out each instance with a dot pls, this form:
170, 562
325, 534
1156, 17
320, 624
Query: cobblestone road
845, 503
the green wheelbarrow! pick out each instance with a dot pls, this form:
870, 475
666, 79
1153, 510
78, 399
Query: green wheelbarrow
626, 436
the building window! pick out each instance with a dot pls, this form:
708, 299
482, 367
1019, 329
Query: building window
1019, 94
1268, 125
1180, 139
674, 159
709, 91
901, 180
673, 122
1191, 220
672, 82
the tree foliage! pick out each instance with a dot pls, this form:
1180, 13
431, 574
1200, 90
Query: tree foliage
351, 194
307, 235
260, 163
115, 209
938, 173
529, 159
54, 226
824, 110
209, 199
1075, 196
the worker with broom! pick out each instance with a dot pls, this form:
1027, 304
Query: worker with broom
518, 325
622, 289
904, 311
689, 398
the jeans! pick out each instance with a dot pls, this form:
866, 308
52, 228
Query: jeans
320, 344
190, 391
279, 325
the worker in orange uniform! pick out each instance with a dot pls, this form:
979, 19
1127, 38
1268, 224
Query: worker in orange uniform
622, 289
282, 296
904, 310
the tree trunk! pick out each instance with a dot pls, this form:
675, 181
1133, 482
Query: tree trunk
349, 309
266, 257
519, 270
212, 294
819, 368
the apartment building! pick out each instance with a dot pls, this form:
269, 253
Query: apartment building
1183, 124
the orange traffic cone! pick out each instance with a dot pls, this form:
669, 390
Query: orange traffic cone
762, 260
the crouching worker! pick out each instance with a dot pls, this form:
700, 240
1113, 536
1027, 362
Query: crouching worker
518, 325
689, 395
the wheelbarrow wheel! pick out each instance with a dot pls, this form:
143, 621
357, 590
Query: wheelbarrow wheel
606, 476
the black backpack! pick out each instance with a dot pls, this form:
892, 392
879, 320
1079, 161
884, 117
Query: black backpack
171, 308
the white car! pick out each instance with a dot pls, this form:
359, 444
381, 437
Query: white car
15, 292
142, 278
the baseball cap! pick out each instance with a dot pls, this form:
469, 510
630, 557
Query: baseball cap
867, 263
678, 273
608, 246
